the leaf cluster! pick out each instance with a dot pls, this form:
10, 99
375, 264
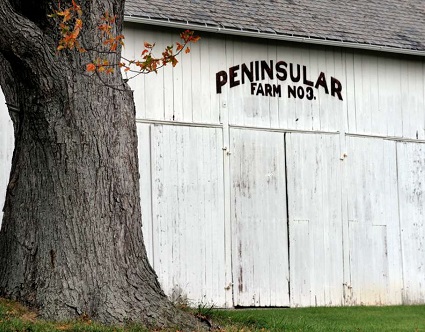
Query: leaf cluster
149, 63
71, 24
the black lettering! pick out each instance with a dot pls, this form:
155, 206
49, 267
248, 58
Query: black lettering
260, 90
300, 92
305, 80
277, 90
253, 86
336, 87
248, 73
257, 71
221, 80
292, 91
322, 82
265, 68
309, 93
233, 74
268, 89
291, 73
281, 69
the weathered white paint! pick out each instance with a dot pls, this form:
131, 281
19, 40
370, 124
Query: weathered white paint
315, 227
382, 95
335, 199
386, 96
6, 150
183, 210
145, 155
185, 93
411, 167
373, 215
259, 219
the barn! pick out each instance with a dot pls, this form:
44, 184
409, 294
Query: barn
282, 161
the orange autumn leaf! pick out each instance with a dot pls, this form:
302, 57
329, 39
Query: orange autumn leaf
179, 46
90, 67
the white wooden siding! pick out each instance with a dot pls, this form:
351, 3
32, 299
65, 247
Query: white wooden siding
373, 215
259, 219
247, 110
411, 167
184, 212
383, 95
315, 228
184, 93
144, 133
412, 90
289, 113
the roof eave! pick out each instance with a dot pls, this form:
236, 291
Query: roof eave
269, 35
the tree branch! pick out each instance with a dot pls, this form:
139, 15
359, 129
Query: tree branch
23, 40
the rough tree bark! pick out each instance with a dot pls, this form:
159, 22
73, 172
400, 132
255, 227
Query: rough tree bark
71, 240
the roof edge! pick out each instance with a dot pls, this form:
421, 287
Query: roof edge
268, 35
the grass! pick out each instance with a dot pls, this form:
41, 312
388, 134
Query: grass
359, 319
16, 318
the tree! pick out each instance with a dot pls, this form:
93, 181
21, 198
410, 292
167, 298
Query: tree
71, 240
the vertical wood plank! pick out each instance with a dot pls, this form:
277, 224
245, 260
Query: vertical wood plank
390, 98
366, 83
314, 70
272, 53
186, 76
412, 90
144, 149
304, 115
350, 93
329, 110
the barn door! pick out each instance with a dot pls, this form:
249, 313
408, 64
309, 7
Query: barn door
373, 222
411, 174
259, 218
315, 227
183, 210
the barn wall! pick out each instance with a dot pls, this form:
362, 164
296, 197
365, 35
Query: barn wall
253, 200
320, 200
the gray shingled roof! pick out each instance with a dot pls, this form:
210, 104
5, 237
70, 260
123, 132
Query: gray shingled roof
398, 24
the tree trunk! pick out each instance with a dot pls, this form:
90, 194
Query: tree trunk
71, 240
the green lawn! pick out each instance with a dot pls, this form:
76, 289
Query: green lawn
395, 318
14, 317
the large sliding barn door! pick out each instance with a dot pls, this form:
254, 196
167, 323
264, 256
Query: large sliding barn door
259, 218
373, 222
315, 228
183, 210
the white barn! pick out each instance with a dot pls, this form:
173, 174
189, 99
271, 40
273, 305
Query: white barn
283, 160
